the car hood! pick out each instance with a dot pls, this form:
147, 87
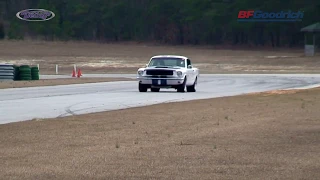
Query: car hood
162, 68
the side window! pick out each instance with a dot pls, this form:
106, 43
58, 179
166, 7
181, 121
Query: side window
188, 62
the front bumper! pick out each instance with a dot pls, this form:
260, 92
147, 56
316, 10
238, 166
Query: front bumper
160, 82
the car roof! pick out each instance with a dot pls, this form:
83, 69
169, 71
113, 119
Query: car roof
169, 56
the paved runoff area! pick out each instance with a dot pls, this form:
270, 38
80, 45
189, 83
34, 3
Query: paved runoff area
22, 104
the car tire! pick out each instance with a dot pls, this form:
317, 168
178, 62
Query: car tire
143, 88
193, 87
155, 89
181, 88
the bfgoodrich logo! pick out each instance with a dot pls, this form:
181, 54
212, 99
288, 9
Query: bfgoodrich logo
35, 15
282, 16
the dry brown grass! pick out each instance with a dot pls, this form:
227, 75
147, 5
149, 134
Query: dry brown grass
244, 137
126, 58
53, 82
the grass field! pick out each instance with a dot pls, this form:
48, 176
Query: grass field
128, 57
258, 136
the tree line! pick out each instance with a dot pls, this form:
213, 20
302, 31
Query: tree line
166, 21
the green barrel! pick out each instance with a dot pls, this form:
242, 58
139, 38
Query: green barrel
35, 73
25, 73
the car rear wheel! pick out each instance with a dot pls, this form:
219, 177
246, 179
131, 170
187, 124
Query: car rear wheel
155, 89
143, 88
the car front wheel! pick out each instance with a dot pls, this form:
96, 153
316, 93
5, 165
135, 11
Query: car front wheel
193, 87
181, 87
143, 88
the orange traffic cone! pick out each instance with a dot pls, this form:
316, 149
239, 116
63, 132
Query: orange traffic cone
73, 73
79, 73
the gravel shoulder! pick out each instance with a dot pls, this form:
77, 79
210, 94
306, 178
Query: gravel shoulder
53, 82
272, 135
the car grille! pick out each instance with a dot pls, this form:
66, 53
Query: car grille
159, 76
159, 72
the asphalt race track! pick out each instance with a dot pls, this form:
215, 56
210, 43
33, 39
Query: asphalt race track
57, 101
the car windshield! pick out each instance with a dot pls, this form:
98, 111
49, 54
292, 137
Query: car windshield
166, 62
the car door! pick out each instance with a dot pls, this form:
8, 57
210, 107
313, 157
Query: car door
190, 72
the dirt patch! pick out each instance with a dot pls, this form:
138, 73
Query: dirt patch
274, 92
53, 82
243, 137
127, 58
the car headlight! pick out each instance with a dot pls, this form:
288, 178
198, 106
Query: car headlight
179, 73
140, 73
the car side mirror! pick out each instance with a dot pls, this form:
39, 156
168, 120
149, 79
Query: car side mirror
189, 66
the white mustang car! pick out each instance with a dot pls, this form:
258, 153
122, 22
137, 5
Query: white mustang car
168, 71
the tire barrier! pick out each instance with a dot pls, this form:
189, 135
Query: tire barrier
18, 73
6, 72
25, 73
35, 73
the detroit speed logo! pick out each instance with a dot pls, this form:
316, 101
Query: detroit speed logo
35, 15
